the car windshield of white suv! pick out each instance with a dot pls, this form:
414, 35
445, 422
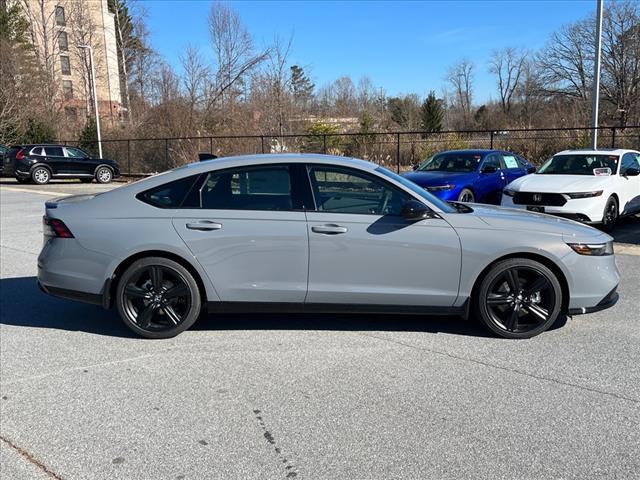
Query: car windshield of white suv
452, 162
579, 164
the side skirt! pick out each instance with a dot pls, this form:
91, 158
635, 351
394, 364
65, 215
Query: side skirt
278, 307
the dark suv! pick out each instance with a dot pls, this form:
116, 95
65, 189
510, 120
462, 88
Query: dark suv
40, 163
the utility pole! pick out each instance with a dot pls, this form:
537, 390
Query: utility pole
95, 96
595, 94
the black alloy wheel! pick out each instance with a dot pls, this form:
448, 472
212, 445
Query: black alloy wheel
466, 196
519, 298
158, 298
610, 216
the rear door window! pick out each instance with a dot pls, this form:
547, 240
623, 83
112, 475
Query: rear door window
54, 151
510, 161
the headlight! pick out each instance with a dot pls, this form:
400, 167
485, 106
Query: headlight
508, 192
593, 249
584, 194
441, 187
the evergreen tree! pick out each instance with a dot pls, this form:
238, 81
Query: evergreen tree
431, 114
301, 85
88, 140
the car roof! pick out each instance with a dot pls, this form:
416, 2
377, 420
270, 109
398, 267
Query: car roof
32, 145
599, 151
269, 158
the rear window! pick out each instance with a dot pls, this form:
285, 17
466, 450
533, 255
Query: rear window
173, 194
36, 151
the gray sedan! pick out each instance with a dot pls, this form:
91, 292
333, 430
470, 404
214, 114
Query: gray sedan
316, 233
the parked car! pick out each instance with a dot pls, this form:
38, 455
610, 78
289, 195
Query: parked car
42, 162
3, 151
590, 186
470, 175
294, 232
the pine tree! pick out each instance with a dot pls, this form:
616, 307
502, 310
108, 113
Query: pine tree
431, 114
301, 86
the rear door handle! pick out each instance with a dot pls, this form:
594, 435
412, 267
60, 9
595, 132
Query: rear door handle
204, 225
329, 229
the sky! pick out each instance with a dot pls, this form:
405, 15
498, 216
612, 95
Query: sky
402, 46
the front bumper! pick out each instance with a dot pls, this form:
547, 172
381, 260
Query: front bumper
607, 302
585, 210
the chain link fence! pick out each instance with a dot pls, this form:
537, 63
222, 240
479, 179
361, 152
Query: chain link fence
395, 150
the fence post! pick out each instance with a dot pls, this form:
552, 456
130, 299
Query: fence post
129, 156
211, 145
491, 140
324, 143
613, 137
262, 142
166, 153
398, 152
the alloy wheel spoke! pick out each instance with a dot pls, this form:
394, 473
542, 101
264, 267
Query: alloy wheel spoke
498, 299
512, 321
156, 277
540, 284
133, 291
145, 315
171, 314
537, 310
178, 290
513, 280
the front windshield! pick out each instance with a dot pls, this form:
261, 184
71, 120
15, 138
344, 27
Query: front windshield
443, 206
452, 162
579, 164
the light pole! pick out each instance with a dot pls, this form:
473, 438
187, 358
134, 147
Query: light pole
595, 94
95, 97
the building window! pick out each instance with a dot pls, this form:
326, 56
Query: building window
60, 20
67, 89
72, 113
65, 66
63, 41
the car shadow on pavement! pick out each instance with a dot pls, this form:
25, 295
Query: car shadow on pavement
24, 305
627, 230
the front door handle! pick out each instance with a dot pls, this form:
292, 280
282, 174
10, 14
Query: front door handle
204, 225
329, 229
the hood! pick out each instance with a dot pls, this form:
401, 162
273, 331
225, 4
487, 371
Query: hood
550, 183
438, 178
512, 219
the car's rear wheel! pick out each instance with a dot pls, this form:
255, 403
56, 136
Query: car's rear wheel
41, 175
466, 196
104, 175
519, 298
610, 215
158, 298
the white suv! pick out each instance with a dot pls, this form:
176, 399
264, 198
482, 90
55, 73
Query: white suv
591, 186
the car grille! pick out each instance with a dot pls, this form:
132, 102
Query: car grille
534, 198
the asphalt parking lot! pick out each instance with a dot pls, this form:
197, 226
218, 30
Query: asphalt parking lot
306, 396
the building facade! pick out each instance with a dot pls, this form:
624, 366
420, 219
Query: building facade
58, 27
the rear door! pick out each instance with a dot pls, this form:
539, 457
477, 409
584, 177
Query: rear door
512, 167
56, 160
249, 232
362, 251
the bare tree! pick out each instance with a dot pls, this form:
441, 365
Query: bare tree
460, 77
507, 65
194, 80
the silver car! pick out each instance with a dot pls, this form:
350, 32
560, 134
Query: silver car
314, 232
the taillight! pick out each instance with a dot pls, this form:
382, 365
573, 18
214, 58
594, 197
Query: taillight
20, 154
53, 227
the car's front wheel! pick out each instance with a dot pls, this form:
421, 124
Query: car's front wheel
467, 196
158, 298
104, 175
519, 298
610, 215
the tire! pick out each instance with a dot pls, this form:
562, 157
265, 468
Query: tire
466, 196
104, 175
533, 308
41, 175
158, 298
23, 180
610, 215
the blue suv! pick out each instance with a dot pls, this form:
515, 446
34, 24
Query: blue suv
470, 175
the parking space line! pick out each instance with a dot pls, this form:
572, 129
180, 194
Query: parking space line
39, 192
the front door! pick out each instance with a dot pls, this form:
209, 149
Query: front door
249, 234
629, 185
491, 183
363, 252
80, 163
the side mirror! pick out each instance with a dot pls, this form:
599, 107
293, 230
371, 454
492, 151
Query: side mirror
414, 210
632, 172
531, 169
489, 169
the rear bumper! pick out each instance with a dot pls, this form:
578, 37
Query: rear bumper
607, 302
95, 299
